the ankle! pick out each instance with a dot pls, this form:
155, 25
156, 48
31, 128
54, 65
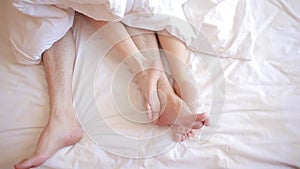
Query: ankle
62, 111
136, 63
165, 84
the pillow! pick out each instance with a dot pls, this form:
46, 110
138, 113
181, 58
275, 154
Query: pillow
33, 28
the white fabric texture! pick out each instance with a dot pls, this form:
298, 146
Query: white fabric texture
36, 31
259, 127
226, 25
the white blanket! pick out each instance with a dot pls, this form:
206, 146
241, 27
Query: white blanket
220, 28
259, 127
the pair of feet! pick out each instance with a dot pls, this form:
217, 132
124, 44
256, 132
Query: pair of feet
171, 106
166, 107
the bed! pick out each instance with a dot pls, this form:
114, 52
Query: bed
258, 126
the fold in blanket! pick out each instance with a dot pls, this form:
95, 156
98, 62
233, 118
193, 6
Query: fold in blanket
220, 28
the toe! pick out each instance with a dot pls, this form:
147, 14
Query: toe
197, 125
22, 164
202, 117
154, 102
33, 161
193, 131
206, 122
181, 133
148, 107
184, 137
30, 162
177, 137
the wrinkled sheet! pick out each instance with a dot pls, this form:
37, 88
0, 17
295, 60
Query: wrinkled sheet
259, 127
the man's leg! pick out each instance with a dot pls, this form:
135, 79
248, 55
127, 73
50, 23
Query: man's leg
134, 50
62, 128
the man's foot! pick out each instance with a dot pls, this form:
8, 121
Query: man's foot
175, 112
61, 131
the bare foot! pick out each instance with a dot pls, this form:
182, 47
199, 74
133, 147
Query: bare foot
147, 81
62, 130
187, 91
177, 113
167, 108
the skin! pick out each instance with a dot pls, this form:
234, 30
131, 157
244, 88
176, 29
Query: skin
175, 111
177, 57
62, 128
165, 106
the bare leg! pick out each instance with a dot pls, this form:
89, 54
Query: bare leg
137, 61
152, 79
176, 54
176, 112
172, 107
146, 42
63, 128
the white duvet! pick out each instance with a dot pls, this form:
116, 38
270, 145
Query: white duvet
258, 128
220, 28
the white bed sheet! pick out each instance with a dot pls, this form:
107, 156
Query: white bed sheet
259, 127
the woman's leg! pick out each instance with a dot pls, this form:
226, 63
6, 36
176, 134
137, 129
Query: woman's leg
62, 128
146, 42
134, 50
136, 60
173, 110
177, 57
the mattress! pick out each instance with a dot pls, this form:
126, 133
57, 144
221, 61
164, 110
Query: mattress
257, 127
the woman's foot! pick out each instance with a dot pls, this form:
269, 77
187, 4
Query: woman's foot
61, 131
176, 113
147, 81
165, 107
187, 91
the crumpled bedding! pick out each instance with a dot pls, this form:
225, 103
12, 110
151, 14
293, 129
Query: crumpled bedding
258, 128
226, 24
